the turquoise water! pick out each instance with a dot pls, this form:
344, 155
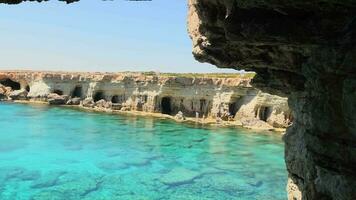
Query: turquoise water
58, 153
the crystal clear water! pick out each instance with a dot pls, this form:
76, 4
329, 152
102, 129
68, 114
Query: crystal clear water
58, 153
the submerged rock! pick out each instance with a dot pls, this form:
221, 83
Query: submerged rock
179, 176
48, 180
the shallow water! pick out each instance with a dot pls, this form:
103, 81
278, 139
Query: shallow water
58, 153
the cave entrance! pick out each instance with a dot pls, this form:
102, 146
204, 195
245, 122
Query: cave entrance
202, 105
235, 105
10, 83
115, 99
264, 113
99, 96
28, 88
166, 105
59, 92
77, 92
233, 108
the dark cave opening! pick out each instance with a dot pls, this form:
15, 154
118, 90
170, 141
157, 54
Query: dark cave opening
99, 96
166, 105
10, 83
28, 88
77, 92
265, 112
202, 105
115, 99
235, 105
233, 108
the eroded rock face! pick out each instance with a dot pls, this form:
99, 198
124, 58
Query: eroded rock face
230, 98
304, 50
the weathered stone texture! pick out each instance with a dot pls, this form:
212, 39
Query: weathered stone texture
304, 50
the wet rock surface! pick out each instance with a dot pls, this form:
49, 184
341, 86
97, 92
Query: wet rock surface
304, 50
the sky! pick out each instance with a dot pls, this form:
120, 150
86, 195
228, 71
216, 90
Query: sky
93, 35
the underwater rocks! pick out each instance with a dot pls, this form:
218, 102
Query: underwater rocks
179, 176
49, 179
71, 187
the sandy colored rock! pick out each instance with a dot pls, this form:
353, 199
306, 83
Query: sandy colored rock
202, 97
18, 95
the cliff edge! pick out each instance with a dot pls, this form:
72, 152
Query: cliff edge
304, 50
206, 98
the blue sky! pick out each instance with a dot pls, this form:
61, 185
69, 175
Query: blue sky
94, 35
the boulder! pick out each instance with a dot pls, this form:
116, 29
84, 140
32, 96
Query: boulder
179, 116
88, 102
55, 99
103, 104
18, 95
125, 108
256, 124
73, 101
116, 106
2, 92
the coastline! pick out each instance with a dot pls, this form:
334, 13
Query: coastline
187, 120
224, 100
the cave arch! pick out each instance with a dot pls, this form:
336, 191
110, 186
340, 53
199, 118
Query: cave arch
10, 83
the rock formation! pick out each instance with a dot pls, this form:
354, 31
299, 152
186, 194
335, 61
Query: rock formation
304, 50
229, 98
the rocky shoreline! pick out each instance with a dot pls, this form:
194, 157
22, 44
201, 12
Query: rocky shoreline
220, 99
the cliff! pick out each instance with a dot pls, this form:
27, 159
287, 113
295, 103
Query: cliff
226, 97
304, 50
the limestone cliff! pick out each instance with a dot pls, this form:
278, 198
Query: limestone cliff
229, 98
304, 50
